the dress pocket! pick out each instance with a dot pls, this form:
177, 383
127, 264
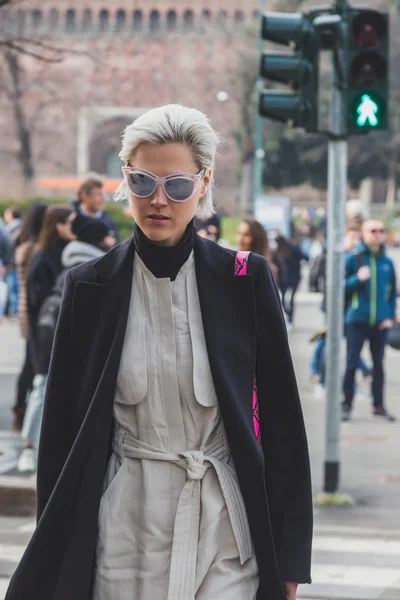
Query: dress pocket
132, 375
114, 473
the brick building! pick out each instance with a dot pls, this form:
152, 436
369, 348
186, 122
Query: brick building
118, 62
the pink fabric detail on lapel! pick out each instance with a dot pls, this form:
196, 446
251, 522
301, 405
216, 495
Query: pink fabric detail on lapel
241, 263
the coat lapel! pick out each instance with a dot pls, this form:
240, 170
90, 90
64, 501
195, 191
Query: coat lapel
99, 317
228, 311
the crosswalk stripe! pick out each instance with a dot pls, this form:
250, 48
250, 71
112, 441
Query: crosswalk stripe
11, 552
356, 576
3, 586
344, 530
356, 545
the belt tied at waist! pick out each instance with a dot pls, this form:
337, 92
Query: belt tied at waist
182, 577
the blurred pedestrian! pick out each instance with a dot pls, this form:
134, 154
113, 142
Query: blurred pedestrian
13, 220
150, 397
91, 243
371, 311
252, 237
288, 257
26, 249
56, 233
5, 260
91, 203
318, 283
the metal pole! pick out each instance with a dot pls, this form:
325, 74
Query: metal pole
337, 188
259, 152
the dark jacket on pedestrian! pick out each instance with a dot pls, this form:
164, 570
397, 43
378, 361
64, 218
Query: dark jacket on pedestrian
289, 257
46, 266
245, 335
372, 301
75, 253
101, 216
6, 249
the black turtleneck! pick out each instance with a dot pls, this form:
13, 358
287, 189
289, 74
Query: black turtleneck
165, 261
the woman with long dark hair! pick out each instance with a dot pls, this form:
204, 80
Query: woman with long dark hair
162, 475
252, 237
55, 234
26, 248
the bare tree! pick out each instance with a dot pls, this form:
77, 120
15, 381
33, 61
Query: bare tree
18, 56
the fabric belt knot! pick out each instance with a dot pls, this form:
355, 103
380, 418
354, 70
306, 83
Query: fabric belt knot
182, 576
195, 467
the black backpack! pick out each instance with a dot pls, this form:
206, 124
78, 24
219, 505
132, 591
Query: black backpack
317, 275
47, 322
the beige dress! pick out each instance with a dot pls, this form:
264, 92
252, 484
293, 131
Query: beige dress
172, 522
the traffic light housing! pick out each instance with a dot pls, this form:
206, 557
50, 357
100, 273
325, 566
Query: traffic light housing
368, 71
298, 70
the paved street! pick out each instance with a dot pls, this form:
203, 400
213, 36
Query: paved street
357, 548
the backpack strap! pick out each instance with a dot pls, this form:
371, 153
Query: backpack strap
241, 264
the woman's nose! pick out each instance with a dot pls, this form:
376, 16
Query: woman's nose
159, 198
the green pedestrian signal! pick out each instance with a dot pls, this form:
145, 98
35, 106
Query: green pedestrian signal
367, 71
367, 112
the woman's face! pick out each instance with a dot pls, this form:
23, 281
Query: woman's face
163, 160
65, 229
244, 239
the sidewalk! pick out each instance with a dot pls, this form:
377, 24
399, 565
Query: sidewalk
356, 549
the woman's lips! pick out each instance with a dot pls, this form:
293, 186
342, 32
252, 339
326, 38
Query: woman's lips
158, 219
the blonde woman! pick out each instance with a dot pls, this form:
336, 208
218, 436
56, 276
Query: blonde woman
152, 483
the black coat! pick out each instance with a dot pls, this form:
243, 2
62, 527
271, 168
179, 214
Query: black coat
245, 332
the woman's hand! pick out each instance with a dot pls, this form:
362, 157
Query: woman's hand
291, 590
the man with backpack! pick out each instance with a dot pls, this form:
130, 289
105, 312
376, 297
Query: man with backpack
370, 312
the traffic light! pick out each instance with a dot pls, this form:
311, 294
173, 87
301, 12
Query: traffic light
299, 70
368, 71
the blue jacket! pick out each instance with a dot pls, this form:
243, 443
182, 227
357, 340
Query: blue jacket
374, 300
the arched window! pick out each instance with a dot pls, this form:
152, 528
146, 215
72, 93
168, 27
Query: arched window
206, 15
188, 19
70, 20
104, 20
36, 16
222, 17
120, 20
87, 20
171, 20
137, 20
239, 17
154, 21
53, 19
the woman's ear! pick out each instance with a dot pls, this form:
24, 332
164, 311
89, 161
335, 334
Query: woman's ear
206, 182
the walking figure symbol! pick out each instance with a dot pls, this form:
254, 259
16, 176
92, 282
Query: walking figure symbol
367, 111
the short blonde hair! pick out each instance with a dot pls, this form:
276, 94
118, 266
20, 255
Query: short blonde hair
174, 123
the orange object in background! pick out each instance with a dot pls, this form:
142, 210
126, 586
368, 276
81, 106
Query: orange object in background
73, 183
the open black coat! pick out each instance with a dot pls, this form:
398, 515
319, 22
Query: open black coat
245, 333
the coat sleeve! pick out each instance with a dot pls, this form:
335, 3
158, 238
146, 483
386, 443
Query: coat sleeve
57, 434
287, 467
